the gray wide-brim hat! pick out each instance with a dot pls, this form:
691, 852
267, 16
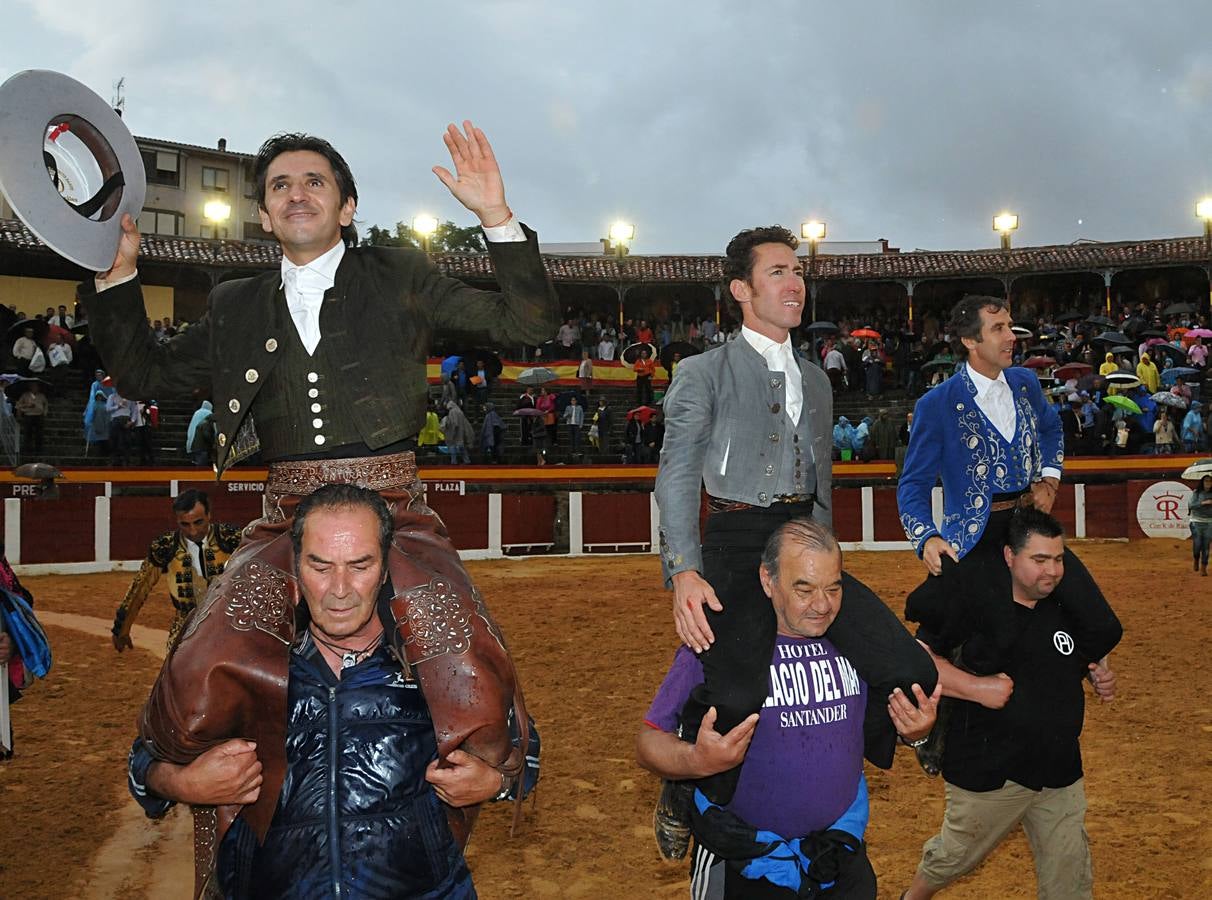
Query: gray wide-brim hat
69, 167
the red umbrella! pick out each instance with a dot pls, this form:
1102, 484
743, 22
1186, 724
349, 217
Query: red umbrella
865, 333
643, 413
1040, 362
1072, 370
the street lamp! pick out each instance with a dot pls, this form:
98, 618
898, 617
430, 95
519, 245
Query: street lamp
217, 212
1203, 209
813, 232
1004, 224
621, 234
425, 226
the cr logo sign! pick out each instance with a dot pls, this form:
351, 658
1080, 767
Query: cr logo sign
1161, 510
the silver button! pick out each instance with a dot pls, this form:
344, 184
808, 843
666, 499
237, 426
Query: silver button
312, 377
251, 376
313, 393
271, 345
770, 470
776, 383
315, 407
317, 423
319, 439
763, 497
222, 440
233, 405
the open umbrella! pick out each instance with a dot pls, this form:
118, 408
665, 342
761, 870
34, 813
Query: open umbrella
492, 362
1113, 337
17, 329
1123, 379
1154, 341
1022, 332
939, 361
1176, 354
1198, 332
1124, 348
1125, 403
1069, 315
1174, 373
1167, 399
869, 333
1039, 362
537, 375
1177, 309
21, 385
632, 353
1072, 370
1152, 333
643, 413
676, 347
564, 397
1101, 320
1197, 470
449, 364
822, 326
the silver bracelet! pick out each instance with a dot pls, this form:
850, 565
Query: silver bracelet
914, 744
506, 786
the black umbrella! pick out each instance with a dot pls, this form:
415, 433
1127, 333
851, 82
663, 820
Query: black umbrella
823, 326
17, 329
1101, 320
1133, 326
21, 385
1069, 315
1113, 337
1041, 349
1177, 309
563, 398
492, 362
1177, 354
1152, 332
1123, 349
680, 347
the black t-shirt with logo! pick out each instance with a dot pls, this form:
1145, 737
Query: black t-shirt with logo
1033, 740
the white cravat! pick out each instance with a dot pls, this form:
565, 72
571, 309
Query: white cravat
304, 287
781, 358
996, 401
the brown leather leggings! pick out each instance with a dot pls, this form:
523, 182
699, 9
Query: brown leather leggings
227, 677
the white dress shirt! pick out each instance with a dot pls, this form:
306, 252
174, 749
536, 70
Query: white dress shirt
995, 399
781, 358
195, 555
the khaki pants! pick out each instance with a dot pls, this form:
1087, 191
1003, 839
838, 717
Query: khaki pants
976, 822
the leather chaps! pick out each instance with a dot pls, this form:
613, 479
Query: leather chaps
227, 677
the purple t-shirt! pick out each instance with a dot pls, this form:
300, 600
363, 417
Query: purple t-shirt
806, 757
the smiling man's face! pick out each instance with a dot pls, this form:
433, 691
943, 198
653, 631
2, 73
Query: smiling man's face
303, 205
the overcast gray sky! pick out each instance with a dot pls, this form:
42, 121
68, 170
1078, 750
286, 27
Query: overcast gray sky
913, 121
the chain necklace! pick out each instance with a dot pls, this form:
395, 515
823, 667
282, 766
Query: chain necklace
350, 656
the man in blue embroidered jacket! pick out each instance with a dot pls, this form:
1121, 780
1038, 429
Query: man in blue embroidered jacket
997, 444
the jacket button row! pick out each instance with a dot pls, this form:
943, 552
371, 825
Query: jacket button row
233, 405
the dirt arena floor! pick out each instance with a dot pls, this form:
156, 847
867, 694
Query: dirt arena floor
592, 638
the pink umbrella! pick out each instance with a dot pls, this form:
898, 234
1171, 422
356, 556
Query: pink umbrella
1040, 362
1153, 342
1198, 332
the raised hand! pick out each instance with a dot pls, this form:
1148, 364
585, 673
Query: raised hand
127, 257
476, 182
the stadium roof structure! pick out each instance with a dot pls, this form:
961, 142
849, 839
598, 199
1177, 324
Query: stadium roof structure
905, 266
